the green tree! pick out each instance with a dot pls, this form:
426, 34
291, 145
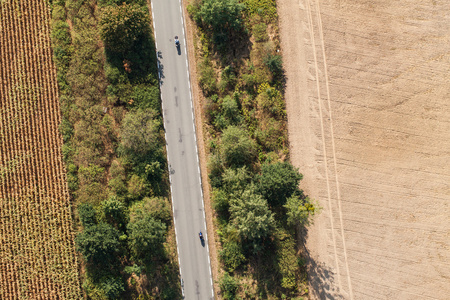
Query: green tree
277, 182
87, 214
145, 237
140, 132
299, 211
99, 243
121, 27
228, 286
222, 17
113, 211
235, 181
237, 148
252, 217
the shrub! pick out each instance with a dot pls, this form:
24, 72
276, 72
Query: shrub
207, 80
228, 286
220, 201
287, 261
157, 208
275, 64
260, 32
121, 27
145, 237
87, 214
277, 182
237, 148
137, 187
114, 212
231, 255
145, 96
99, 243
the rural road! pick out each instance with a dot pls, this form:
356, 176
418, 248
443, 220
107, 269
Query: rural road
187, 197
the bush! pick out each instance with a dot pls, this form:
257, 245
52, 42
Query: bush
260, 32
231, 255
98, 243
287, 261
145, 237
146, 97
157, 208
228, 286
114, 212
277, 182
237, 148
87, 214
220, 201
275, 64
122, 27
207, 80
137, 187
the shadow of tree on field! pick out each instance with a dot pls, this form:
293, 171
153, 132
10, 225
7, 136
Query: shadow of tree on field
321, 278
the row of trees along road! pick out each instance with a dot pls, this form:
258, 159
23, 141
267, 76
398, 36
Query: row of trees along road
114, 148
255, 190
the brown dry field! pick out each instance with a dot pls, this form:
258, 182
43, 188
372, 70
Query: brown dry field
368, 101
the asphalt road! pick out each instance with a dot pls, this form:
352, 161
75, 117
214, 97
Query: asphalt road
187, 197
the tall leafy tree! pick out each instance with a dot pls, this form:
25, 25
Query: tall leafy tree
277, 182
121, 27
237, 148
252, 217
140, 132
98, 243
145, 237
222, 17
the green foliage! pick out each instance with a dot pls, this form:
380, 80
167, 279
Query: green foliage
227, 79
112, 287
271, 136
222, 17
114, 211
145, 96
235, 181
137, 187
87, 214
230, 109
220, 201
121, 27
228, 286
266, 9
287, 261
275, 64
277, 182
119, 2
140, 133
215, 167
252, 217
145, 237
232, 255
117, 181
260, 32
237, 148
98, 243
207, 80
299, 211
156, 207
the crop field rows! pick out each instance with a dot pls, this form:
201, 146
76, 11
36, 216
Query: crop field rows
37, 252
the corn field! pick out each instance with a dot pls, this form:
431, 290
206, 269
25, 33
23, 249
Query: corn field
37, 251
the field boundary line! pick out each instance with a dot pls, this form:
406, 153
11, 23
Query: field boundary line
319, 25
311, 33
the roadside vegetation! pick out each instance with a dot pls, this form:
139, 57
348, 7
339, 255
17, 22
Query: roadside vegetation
259, 207
114, 148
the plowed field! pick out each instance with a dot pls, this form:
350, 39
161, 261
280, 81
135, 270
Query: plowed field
368, 101
37, 253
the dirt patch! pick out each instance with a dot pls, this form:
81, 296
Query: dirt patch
369, 126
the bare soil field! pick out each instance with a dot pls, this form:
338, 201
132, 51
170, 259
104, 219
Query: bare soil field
368, 102
37, 251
